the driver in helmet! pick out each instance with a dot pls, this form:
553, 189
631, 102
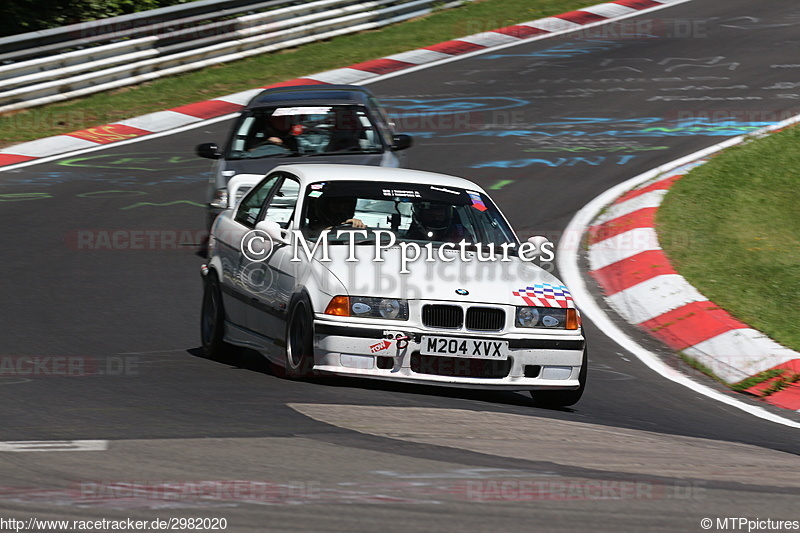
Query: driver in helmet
434, 221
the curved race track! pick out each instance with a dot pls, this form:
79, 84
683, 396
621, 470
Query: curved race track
548, 125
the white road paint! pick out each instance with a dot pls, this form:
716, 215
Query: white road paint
654, 297
622, 246
609, 10
54, 446
341, 76
489, 38
160, 121
241, 98
58, 143
746, 353
554, 24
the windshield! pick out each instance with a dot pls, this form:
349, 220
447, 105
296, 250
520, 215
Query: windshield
412, 212
304, 130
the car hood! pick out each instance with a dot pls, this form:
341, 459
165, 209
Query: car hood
464, 278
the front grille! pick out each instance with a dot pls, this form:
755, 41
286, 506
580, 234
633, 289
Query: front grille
438, 365
442, 316
485, 319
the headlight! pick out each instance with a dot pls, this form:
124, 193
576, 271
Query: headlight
547, 317
366, 307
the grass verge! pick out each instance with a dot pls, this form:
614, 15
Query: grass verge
731, 227
265, 69
761, 377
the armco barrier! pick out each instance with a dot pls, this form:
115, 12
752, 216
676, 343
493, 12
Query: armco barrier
153, 51
163, 20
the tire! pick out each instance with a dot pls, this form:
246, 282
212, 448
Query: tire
299, 360
564, 398
212, 321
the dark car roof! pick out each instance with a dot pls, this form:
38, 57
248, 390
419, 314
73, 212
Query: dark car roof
311, 94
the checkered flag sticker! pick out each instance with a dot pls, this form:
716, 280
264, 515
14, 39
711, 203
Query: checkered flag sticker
546, 295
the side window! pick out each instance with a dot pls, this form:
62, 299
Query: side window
282, 204
240, 137
249, 208
384, 122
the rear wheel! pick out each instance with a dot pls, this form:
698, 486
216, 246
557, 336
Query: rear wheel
300, 338
563, 398
212, 321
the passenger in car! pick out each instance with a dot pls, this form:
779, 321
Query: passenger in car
347, 132
327, 212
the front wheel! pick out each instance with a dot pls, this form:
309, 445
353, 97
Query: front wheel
299, 360
564, 398
212, 321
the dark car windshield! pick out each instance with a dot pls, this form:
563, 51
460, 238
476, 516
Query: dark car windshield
304, 130
412, 212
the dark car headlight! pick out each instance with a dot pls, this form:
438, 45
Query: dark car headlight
368, 307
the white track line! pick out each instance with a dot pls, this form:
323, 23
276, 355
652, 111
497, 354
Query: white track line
54, 446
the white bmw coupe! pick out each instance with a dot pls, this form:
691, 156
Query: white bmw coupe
390, 274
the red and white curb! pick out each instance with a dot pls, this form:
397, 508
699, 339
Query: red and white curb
642, 287
361, 73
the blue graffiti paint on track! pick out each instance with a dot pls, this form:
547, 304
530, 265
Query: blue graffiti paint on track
409, 107
558, 162
653, 127
563, 51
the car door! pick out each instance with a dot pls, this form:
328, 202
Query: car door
270, 282
229, 230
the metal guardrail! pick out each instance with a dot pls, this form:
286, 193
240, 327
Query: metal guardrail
132, 49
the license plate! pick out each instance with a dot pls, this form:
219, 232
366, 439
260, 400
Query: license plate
459, 347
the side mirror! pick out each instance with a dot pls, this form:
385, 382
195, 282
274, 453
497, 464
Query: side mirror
274, 230
401, 142
208, 151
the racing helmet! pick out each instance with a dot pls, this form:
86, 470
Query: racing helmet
432, 216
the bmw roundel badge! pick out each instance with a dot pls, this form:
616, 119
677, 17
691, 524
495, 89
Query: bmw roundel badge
462, 292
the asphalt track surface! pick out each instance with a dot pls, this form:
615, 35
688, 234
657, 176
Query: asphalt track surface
268, 454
